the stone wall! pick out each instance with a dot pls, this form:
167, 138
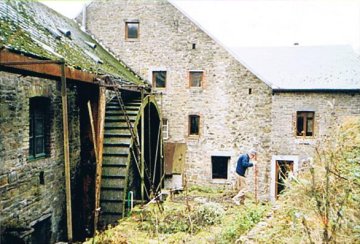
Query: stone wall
231, 120
24, 201
330, 110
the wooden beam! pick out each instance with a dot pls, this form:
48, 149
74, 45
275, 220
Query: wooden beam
142, 157
93, 133
100, 144
66, 153
17, 61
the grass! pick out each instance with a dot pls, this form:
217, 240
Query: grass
211, 218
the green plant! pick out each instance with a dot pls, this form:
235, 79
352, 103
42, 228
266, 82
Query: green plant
208, 214
246, 219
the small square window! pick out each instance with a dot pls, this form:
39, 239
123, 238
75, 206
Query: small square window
159, 79
132, 30
305, 123
196, 78
165, 129
194, 124
219, 167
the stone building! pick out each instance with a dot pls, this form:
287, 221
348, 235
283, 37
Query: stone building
49, 66
214, 107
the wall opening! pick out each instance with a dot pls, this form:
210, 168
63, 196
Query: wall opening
42, 231
283, 169
219, 167
282, 166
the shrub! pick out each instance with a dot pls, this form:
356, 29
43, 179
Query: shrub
208, 214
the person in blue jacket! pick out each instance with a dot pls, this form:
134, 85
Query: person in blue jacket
240, 185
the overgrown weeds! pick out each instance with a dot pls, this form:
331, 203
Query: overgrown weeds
245, 219
323, 204
179, 219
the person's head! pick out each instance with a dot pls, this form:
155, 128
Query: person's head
252, 154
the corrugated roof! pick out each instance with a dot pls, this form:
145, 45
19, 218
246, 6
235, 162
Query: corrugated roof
303, 68
32, 28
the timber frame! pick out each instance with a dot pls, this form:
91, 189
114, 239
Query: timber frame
23, 63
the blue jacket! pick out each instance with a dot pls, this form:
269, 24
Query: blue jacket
242, 164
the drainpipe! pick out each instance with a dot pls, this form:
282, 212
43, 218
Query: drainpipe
83, 24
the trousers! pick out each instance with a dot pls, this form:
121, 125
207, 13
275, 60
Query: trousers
241, 187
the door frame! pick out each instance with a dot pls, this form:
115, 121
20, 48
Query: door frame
275, 158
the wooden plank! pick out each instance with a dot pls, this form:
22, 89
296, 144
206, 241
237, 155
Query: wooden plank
66, 154
179, 158
169, 157
44, 67
100, 148
142, 158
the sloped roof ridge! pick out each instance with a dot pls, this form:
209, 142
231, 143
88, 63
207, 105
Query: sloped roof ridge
221, 44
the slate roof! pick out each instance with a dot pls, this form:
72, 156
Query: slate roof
34, 29
303, 68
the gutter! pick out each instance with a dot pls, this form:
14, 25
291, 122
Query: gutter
324, 90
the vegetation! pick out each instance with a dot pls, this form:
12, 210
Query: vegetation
320, 205
323, 204
201, 215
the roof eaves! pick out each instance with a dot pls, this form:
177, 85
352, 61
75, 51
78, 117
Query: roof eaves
280, 90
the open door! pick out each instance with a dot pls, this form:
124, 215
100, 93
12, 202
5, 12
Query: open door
282, 171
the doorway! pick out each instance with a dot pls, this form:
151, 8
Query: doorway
283, 169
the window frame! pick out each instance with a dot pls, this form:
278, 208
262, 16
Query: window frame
127, 22
38, 111
165, 128
305, 117
228, 158
201, 81
154, 79
189, 126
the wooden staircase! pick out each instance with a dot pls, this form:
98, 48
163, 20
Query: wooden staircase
116, 157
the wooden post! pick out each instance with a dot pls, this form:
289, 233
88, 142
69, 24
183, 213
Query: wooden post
100, 142
142, 159
256, 182
66, 152
93, 133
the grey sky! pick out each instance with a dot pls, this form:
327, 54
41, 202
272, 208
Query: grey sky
266, 22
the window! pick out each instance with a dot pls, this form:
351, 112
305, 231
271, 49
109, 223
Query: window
196, 78
165, 129
159, 79
131, 30
194, 124
37, 135
305, 123
219, 167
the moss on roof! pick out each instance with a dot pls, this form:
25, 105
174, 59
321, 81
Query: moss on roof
24, 26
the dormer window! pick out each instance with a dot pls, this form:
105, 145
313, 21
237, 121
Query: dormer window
132, 29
